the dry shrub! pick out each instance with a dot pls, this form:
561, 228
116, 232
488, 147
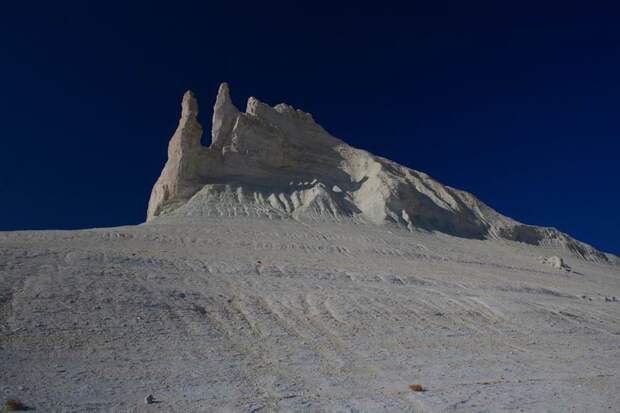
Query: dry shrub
417, 387
13, 405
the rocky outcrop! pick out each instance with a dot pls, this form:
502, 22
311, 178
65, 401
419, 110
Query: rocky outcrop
181, 176
277, 162
555, 262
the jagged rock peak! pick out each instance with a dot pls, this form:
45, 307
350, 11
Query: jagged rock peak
277, 162
224, 115
223, 96
189, 105
184, 159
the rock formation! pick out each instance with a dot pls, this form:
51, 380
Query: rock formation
277, 162
555, 262
181, 174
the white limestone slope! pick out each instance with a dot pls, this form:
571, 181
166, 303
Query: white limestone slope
251, 314
281, 270
278, 162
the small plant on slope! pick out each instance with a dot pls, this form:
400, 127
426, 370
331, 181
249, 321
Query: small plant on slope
13, 405
417, 387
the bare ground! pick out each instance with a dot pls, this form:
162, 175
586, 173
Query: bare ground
253, 315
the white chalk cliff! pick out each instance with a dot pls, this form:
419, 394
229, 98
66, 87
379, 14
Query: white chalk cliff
277, 162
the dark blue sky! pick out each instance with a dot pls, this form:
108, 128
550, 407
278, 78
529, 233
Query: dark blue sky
519, 104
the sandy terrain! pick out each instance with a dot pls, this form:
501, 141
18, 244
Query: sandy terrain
238, 314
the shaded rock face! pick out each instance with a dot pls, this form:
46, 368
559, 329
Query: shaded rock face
183, 170
277, 162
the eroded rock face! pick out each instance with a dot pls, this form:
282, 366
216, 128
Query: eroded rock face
224, 116
277, 162
555, 262
181, 176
